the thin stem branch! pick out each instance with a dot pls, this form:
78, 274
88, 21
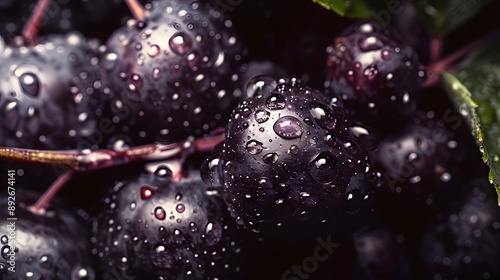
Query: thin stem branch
30, 30
137, 9
101, 159
436, 48
445, 63
41, 204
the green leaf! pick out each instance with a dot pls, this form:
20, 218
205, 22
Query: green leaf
348, 8
475, 91
443, 16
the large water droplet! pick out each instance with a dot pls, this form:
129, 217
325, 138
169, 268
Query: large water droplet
260, 85
324, 168
270, 158
154, 50
275, 102
288, 127
213, 233
254, 147
4, 239
323, 115
370, 43
30, 84
160, 213
180, 208
180, 43
146, 192
262, 116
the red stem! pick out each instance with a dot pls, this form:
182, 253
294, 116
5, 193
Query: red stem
41, 204
444, 63
436, 48
30, 30
137, 9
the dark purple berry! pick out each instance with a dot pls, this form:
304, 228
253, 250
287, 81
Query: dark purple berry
55, 245
465, 243
290, 166
177, 71
372, 70
155, 228
51, 96
420, 156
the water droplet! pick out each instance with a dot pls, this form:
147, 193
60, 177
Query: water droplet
146, 192
323, 115
386, 55
308, 199
46, 261
180, 43
288, 127
211, 171
162, 171
370, 43
154, 50
270, 158
161, 257
324, 168
371, 72
260, 85
366, 28
330, 140
30, 84
135, 82
180, 208
178, 196
213, 233
354, 201
262, 116
193, 227
160, 213
275, 102
156, 73
254, 147
5, 251
110, 61
293, 150
350, 148
82, 273
4, 239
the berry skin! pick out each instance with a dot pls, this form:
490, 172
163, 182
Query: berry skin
290, 167
52, 246
177, 72
372, 70
420, 156
51, 94
465, 244
155, 228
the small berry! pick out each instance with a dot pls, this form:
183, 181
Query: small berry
372, 70
54, 245
290, 166
155, 228
176, 70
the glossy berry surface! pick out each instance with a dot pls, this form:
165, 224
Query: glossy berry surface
176, 72
290, 166
54, 245
155, 228
422, 154
372, 70
51, 96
